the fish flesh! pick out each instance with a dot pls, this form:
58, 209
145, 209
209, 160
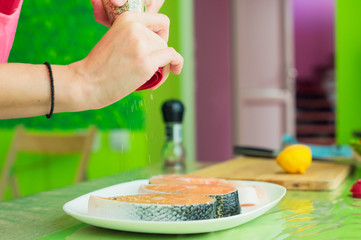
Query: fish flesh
248, 195
227, 203
153, 207
189, 179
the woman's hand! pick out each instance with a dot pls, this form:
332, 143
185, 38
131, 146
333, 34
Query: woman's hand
101, 17
125, 58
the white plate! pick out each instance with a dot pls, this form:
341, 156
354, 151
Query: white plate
78, 208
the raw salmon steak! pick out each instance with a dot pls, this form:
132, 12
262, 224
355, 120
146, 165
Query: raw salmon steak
248, 195
153, 207
227, 203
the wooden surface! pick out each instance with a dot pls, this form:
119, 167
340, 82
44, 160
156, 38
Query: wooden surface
320, 175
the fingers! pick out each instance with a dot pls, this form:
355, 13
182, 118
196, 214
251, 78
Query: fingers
157, 23
153, 6
168, 56
118, 2
99, 13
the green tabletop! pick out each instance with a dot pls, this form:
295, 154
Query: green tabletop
299, 215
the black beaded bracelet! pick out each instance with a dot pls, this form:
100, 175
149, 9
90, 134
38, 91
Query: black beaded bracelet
51, 90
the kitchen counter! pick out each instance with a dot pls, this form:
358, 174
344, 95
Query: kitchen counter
299, 215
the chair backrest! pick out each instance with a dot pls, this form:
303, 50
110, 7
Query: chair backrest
46, 143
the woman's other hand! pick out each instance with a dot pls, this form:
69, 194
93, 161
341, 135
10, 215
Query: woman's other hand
101, 17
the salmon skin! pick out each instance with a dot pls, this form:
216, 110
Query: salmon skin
153, 207
227, 202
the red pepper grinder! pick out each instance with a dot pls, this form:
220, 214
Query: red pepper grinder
356, 189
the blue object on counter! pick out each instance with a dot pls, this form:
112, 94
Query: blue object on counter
321, 151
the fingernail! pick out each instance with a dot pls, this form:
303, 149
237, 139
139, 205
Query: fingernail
118, 2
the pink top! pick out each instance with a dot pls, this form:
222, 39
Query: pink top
9, 16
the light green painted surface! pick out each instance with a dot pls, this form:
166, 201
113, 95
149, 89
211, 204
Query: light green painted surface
318, 215
348, 68
37, 173
188, 76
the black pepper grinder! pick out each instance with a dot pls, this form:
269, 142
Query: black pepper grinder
173, 153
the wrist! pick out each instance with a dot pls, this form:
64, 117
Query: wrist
69, 93
79, 88
85, 87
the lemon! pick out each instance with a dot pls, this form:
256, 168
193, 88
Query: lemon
295, 158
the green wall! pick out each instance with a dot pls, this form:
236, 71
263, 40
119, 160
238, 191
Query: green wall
348, 68
180, 87
62, 32
170, 89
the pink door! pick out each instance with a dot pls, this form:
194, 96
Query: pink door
263, 72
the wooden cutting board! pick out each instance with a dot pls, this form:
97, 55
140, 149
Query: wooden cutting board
319, 176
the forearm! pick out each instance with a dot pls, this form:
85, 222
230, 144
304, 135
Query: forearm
123, 60
25, 90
